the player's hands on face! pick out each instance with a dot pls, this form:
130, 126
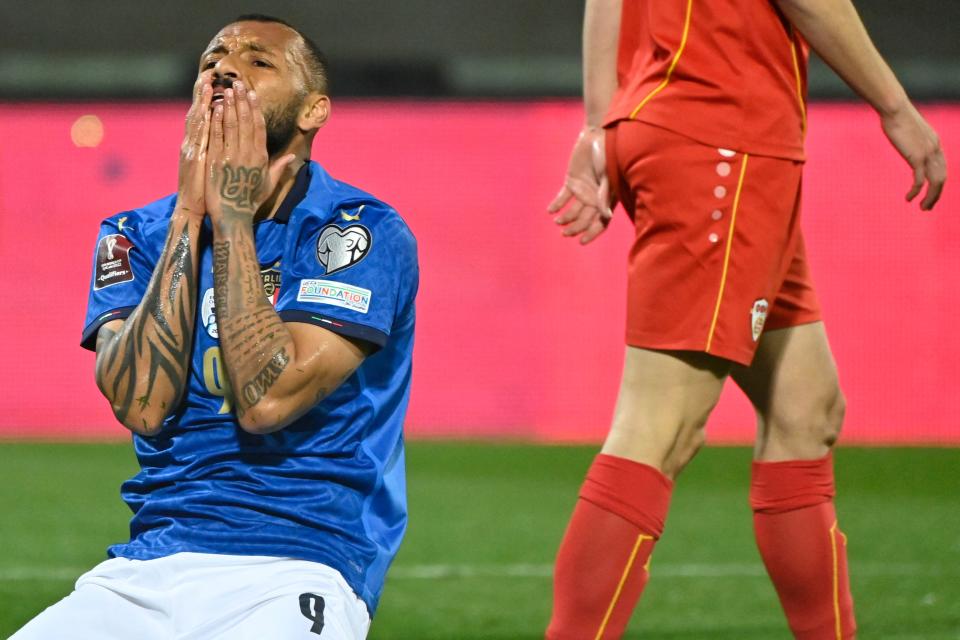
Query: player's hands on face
193, 153
239, 174
919, 145
586, 189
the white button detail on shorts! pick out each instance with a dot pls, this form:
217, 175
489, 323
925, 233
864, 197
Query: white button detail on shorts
727, 153
717, 214
719, 191
723, 169
714, 238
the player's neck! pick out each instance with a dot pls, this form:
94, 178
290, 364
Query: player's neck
272, 204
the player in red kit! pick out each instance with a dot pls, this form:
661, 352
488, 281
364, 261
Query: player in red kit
695, 120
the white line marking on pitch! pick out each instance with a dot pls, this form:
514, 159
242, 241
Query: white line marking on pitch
728, 570
466, 571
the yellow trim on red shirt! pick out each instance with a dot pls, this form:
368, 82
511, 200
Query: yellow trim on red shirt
673, 63
796, 72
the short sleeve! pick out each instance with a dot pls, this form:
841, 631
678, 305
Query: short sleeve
353, 275
119, 280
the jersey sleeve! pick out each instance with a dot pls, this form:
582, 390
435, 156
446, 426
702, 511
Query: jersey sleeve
353, 276
120, 276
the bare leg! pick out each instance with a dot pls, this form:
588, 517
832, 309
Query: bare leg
603, 562
665, 399
793, 386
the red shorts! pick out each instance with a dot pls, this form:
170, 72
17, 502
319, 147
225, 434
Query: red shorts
718, 255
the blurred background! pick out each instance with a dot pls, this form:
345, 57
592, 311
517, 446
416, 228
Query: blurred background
112, 49
461, 115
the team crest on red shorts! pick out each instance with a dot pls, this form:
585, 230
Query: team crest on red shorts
758, 315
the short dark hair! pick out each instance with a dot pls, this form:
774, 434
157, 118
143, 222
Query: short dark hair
318, 78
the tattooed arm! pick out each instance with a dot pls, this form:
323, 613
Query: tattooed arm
278, 371
142, 362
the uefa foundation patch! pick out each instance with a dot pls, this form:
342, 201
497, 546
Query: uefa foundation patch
336, 294
113, 261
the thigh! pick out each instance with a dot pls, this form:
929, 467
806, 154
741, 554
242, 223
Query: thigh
104, 605
304, 616
792, 383
255, 598
664, 400
715, 233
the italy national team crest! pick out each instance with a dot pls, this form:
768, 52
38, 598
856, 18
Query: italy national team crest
758, 316
339, 248
271, 282
271, 287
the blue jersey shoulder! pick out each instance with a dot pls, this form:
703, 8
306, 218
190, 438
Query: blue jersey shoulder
146, 225
334, 201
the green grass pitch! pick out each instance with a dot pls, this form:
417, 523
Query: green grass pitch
485, 521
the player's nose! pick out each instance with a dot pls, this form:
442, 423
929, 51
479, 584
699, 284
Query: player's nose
226, 71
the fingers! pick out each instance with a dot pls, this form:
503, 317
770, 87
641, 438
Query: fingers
560, 200
918, 180
200, 132
604, 196
195, 116
583, 222
595, 229
195, 113
571, 214
936, 170
231, 141
932, 172
244, 117
215, 146
259, 124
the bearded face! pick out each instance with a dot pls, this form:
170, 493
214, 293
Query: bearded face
281, 124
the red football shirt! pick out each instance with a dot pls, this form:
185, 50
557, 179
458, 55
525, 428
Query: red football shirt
729, 73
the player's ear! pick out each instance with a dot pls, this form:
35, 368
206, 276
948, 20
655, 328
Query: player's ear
315, 112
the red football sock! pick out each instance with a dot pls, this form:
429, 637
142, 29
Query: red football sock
603, 562
802, 547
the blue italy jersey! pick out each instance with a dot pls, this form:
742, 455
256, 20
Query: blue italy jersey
328, 488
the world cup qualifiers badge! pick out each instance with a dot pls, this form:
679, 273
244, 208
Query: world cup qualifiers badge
113, 261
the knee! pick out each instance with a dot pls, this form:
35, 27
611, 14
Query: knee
688, 443
667, 442
816, 420
833, 422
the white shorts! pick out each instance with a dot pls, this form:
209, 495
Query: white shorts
199, 596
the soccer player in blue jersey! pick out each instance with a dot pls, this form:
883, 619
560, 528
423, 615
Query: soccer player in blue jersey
254, 331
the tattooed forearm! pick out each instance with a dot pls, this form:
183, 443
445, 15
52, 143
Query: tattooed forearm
260, 385
239, 185
256, 345
180, 263
221, 266
142, 369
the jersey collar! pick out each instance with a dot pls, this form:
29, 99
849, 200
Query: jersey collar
297, 192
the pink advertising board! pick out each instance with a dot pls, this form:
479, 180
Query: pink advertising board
520, 331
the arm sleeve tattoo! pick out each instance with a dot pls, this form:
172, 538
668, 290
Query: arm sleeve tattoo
142, 368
